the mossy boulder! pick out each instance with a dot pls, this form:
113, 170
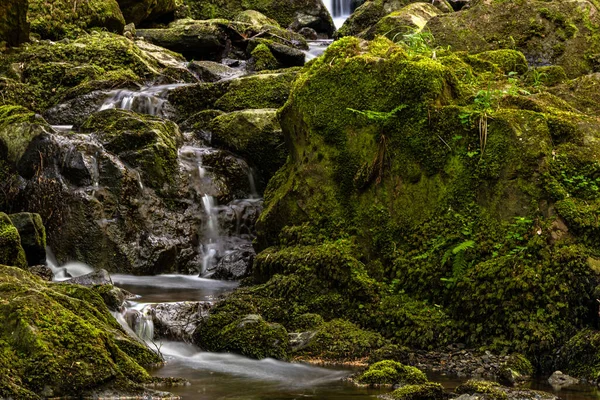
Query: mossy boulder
60, 340
282, 55
298, 14
389, 372
580, 356
145, 142
423, 391
262, 59
371, 12
490, 390
254, 135
14, 28
136, 11
516, 368
19, 127
548, 33
33, 236
68, 18
408, 20
11, 251
582, 93
249, 335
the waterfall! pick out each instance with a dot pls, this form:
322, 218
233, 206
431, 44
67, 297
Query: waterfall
212, 245
151, 100
340, 10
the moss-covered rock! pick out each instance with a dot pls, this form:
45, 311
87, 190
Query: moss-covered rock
262, 59
517, 368
18, 128
254, 135
309, 13
491, 390
135, 11
389, 372
424, 391
548, 33
11, 251
408, 20
60, 340
580, 356
581, 93
371, 12
68, 18
146, 142
33, 236
14, 28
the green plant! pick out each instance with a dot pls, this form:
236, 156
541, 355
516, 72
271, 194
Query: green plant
459, 261
417, 41
483, 107
538, 78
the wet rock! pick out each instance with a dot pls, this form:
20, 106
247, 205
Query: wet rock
76, 110
253, 134
202, 40
98, 277
235, 264
135, 11
11, 252
210, 71
487, 390
179, 320
560, 380
389, 372
16, 136
286, 56
64, 18
33, 236
423, 391
113, 297
309, 33
43, 271
14, 28
582, 93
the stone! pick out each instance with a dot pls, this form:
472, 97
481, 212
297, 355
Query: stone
99, 277
14, 28
43, 271
137, 12
210, 71
11, 252
286, 56
309, 33
408, 20
560, 380
301, 340
33, 236
234, 265
178, 320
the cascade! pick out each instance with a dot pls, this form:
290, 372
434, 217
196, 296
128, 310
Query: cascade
340, 10
149, 100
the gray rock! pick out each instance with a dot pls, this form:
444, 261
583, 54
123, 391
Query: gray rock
210, 71
560, 380
43, 271
301, 340
178, 321
99, 277
235, 265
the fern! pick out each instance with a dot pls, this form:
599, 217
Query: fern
459, 262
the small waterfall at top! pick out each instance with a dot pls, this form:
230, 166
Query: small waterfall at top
150, 100
340, 10
212, 243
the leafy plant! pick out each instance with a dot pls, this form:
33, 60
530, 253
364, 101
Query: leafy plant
459, 261
538, 78
479, 113
417, 41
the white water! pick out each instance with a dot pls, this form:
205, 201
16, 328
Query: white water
149, 100
67, 271
340, 10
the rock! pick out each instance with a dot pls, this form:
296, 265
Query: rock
210, 71
309, 33
248, 335
14, 28
75, 111
253, 134
492, 390
547, 33
300, 340
262, 59
286, 56
203, 40
113, 296
515, 369
560, 380
424, 391
365, 17
43, 271
143, 141
581, 93
67, 18
19, 127
298, 14
136, 12
255, 18
98, 277
407, 20
179, 320
235, 264
389, 372
11, 252
33, 236
89, 351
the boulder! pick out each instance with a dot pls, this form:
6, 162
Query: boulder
582, 93
254, 134
297, 14
179, 320
423, 391
408, 20
68, 18
99, 277
560, 380
14, 28
63, 339
235, 264
42, 271
11, 252
285, 56
365, 17
389, 372
548, 33
210, 71
19, 127
492, 390
137, 12
33, 236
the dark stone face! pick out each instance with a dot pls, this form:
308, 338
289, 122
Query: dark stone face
14, 28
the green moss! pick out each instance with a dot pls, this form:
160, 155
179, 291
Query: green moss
263, 59
11, 252
516, 368
505, 60
388, 372
68, 18
66, 340
491, 389
425, 391
146, 142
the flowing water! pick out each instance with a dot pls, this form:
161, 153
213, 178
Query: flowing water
340, 10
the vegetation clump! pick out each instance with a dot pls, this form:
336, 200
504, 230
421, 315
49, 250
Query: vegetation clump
388, 372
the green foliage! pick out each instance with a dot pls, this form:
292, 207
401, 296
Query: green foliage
388, 372
490, 389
